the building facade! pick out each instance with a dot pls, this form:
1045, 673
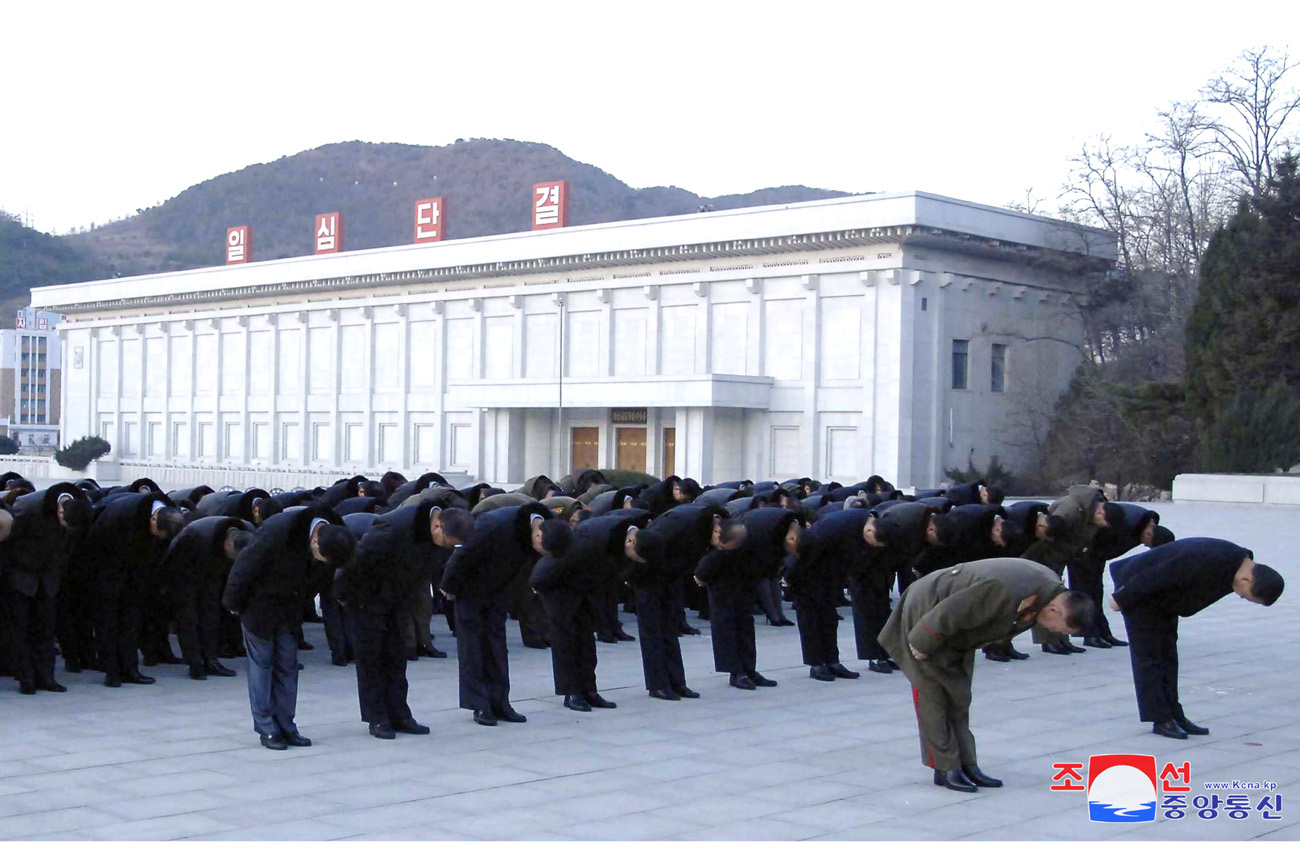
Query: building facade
894, 334
30, 380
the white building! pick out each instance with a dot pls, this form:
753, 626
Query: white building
889, 334
29, 380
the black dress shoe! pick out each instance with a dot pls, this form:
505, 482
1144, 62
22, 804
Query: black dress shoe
26, 689
606, 638
624, 637
1055, 649
664, 695
197, 672
740, 681
880, 667
112, 682
954, 780
686, 629
842, 672
338, 662
217, 669
1188, 726
382, 731
412, 655
432, 652
894, 665
1070, 647
577, 703
296, 739
683, 692
1096, 642
538, 644
996, 654
274, 742
138, 679
785, 622
52, 686
1169, 729
303, 646
168, 659
1015, 654
507, 713
484, 718
595, 700
410, 726
976, 775
1114, 641
760, 680
821, 673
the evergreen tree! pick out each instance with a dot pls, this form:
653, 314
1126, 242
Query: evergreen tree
1254, 432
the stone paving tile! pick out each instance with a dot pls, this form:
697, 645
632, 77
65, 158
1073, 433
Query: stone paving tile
163, 805
753, 830
54, 823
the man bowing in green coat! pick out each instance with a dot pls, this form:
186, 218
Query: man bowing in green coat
933, 634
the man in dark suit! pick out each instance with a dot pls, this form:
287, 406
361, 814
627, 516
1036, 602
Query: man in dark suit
477, 578
1153, 590
266, 588
392, 558
193, 576
43, 527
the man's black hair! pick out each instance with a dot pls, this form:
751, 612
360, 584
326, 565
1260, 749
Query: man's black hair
238, 539
1266, 584
996, 495
457, 524
556, 535
1080, 610
732, 530
1114, 514
649, 545
888, 533
170, 521
266, 507
336, 544
77, 514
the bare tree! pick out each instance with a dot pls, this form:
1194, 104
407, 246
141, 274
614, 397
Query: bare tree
1256, 110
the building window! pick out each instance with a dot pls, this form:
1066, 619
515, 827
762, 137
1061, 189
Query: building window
998, 372
960, 363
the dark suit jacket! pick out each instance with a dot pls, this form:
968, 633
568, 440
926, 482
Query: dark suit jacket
39, 547
483, 568
1183, 577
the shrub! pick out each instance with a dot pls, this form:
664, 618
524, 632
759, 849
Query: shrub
79, 454
8, 446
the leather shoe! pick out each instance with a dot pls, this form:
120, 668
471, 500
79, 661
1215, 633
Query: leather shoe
1114, 641
1096, 642
112, 682
577, 702
138, 679
382, 731
594, 699
683, 692
759, 680
410, 726
297, 739
880, 667
976, 775
169, 659
1169, 729
217, 669
507, 713
58, 688
1017, 655
1070, 647
1055, 649
954, 780
484, 718
303, 646
624, 637
274, 742
740, 681
197, 672
1188, 726
665, 696
688, 629
432, 652
996, 654
607, 638
26, 689
842, 672
785, 622
538, 644
821, 673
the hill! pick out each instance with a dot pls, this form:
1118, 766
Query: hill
486, 184
31, 258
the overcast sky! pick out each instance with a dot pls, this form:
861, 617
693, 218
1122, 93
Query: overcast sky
109, 107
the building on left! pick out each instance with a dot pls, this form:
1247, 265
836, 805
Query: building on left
30, 380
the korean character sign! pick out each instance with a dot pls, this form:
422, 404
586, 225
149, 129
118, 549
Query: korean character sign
430, 220
239, 245
551, 204
329, 233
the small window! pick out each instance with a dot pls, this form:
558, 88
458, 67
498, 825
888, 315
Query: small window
924, 304
960, 363
998, 373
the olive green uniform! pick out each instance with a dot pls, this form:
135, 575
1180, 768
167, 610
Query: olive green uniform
947, 615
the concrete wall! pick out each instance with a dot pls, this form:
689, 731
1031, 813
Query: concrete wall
1246, 489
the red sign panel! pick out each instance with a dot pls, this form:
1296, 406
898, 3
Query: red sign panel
239, 245
551, 204
430, 220
329, 233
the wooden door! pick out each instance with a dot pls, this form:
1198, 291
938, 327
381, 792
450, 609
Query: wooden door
584, 452
670, 451
631, 448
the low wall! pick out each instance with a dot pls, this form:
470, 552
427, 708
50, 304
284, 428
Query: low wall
1246, 489
174, 476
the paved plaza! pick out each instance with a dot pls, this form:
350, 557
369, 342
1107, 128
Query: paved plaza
806, 760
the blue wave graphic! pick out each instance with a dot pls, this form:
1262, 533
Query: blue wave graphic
1112, 814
